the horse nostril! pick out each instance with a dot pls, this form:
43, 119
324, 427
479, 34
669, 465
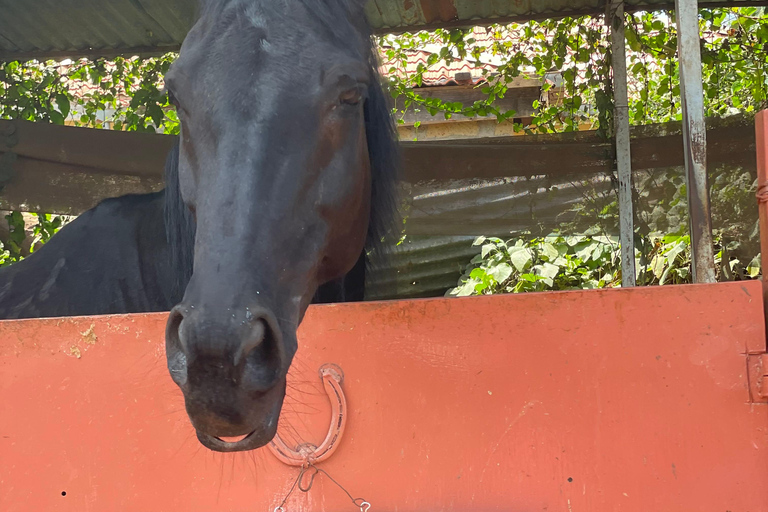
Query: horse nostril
175, 347
254, 338
260, 352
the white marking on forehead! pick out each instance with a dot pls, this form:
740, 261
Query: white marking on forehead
255, 17
258, 21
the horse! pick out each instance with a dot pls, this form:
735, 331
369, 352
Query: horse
285, 172
129, 254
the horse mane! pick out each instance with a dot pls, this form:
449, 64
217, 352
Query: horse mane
179, 225
383, 149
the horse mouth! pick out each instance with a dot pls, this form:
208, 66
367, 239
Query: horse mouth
233, 444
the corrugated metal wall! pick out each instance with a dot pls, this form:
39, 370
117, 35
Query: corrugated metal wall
444, 217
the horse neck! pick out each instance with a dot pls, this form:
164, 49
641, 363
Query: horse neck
112, 259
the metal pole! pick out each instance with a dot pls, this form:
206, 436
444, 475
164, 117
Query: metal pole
623, 152
695, 140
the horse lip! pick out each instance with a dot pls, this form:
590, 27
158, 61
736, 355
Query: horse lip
249, 442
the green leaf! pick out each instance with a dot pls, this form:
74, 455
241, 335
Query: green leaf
466, 289
586, 252
573, 240
478, 273
548, 270
665, 276
500, 272
550, 251
520, 258
56, 117
62, 102
156, 113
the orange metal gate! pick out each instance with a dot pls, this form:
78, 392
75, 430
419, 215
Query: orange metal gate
632, 400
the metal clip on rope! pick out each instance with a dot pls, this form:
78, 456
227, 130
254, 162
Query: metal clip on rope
307, 453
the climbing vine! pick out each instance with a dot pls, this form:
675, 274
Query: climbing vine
734, 66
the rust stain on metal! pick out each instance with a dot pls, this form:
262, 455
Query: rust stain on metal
757, 365
439, 10
410, 12
761, 142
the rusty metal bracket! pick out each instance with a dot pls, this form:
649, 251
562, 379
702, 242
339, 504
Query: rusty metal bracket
305, 454
758, 378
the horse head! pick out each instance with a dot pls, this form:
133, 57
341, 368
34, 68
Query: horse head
286, 160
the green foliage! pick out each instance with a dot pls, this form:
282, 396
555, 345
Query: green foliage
15, 248
734, 55
554, 262
12, 251
576, 47
734, 67
557, 262
46, 92
51, 92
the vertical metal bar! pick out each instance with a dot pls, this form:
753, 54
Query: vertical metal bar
695, 140
623, 150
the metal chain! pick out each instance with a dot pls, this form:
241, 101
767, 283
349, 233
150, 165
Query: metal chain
363, 505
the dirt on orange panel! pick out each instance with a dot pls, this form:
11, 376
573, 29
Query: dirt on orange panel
89, 336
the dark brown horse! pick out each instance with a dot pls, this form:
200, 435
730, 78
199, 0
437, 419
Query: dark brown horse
284, 121
284, 175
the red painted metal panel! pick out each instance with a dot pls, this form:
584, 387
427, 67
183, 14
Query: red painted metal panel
761, 142
630, 400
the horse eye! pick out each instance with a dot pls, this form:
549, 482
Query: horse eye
351, 97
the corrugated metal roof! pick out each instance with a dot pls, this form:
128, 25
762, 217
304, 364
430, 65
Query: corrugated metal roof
71, 28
